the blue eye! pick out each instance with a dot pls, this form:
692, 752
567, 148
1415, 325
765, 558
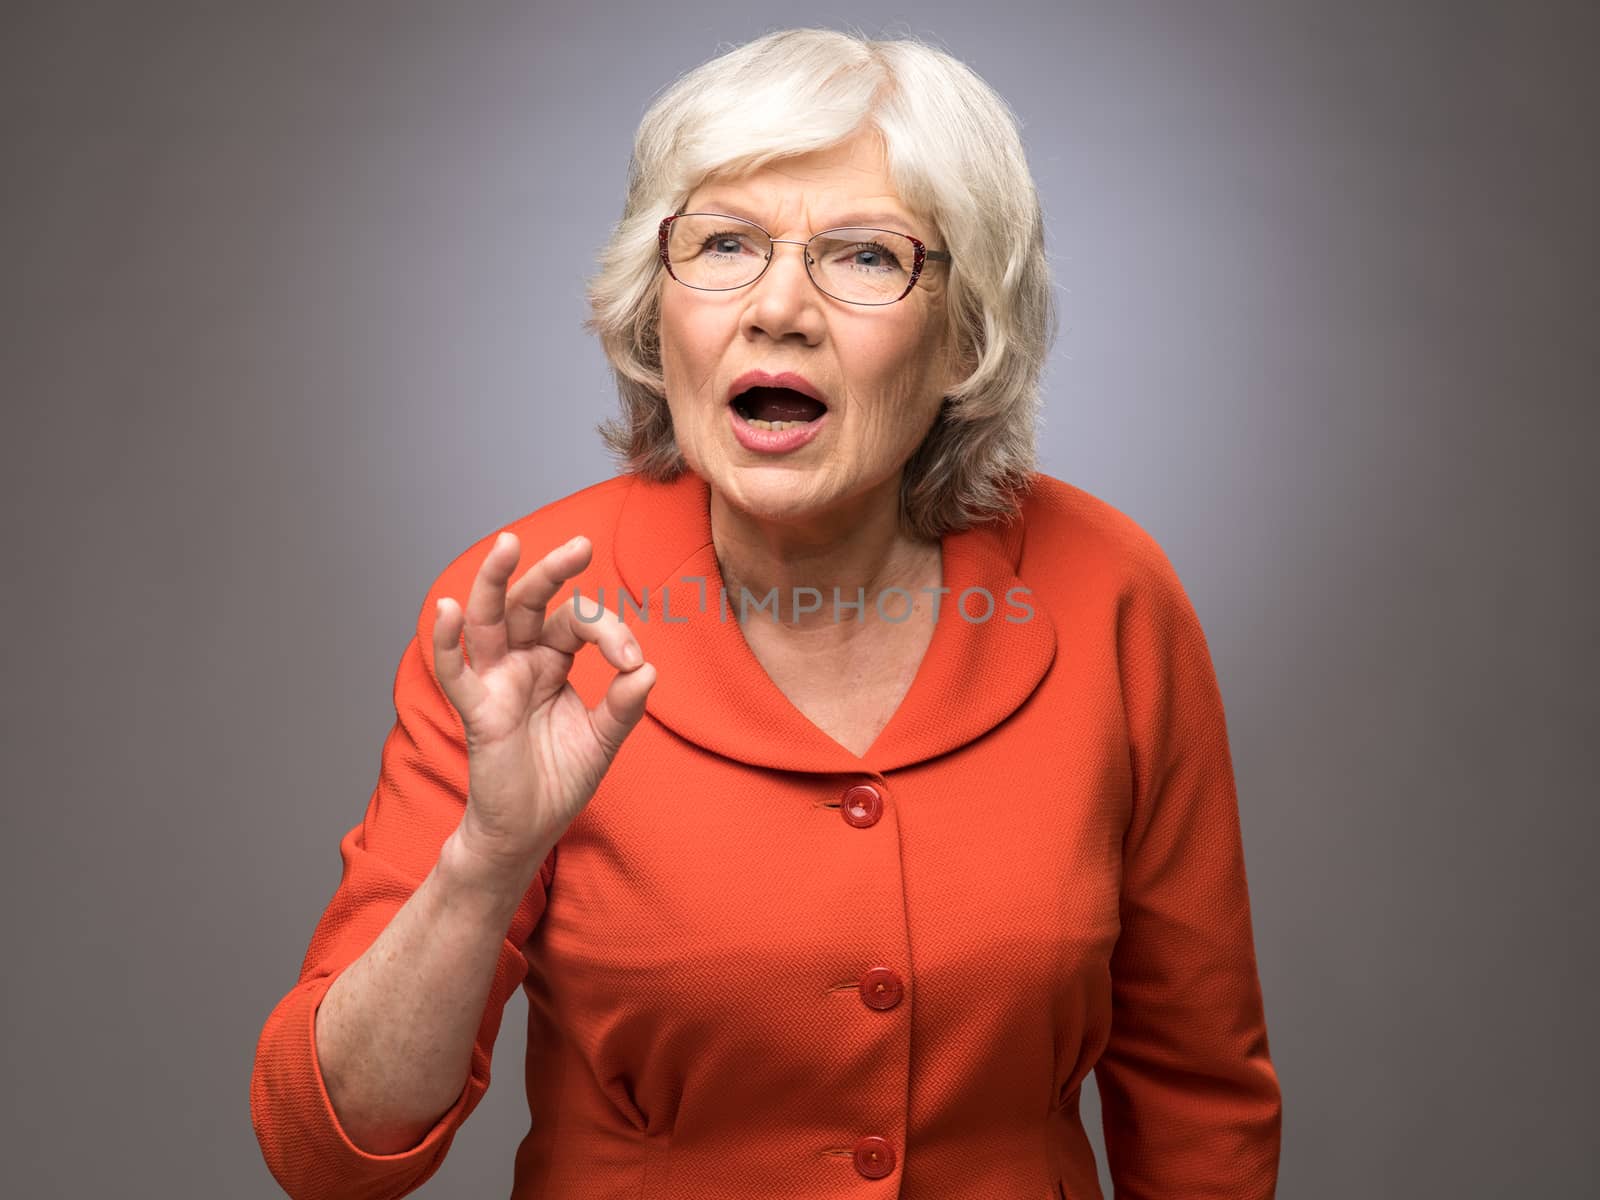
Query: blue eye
873, 257
723, 243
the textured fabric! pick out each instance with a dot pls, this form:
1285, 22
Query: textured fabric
1056, 879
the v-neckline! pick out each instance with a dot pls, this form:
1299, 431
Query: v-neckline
712, 689
905, 695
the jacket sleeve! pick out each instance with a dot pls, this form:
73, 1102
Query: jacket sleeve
1190, 1101
418, 802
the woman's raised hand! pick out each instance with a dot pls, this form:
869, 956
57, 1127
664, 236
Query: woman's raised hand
535, 753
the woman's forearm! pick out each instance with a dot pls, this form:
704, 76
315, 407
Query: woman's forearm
395, 1031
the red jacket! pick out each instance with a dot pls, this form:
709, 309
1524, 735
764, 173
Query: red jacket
758, 965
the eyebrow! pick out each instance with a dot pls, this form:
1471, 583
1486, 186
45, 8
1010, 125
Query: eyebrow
874, 219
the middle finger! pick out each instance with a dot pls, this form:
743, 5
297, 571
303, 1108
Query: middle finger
528, 600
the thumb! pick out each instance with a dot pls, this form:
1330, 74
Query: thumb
621, 707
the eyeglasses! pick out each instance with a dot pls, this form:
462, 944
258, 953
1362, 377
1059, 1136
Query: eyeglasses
717, 253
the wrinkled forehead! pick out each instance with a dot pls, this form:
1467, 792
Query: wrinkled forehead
849, 184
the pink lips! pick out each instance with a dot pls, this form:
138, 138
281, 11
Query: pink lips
774, 441
788, 379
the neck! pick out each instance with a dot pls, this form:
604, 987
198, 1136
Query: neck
858, 549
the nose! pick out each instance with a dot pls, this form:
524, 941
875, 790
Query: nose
784, 301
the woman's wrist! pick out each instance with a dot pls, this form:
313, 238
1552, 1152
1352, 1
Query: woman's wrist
468, 878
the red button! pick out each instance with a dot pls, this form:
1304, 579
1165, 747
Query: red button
881, 988
862, 805
874, 1157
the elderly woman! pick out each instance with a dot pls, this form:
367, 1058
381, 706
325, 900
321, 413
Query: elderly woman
895, 796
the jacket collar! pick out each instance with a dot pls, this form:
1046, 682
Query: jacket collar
712, 690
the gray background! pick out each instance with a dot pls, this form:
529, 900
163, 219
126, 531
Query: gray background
291, 302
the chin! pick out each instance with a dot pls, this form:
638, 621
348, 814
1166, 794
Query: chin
769, 491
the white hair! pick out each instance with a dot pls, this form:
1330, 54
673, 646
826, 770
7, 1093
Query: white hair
955, 157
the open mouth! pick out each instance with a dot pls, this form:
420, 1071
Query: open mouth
777, 408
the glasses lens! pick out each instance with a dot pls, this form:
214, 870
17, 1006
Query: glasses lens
716, 252
863, 266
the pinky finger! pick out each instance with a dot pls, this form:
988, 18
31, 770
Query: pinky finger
461, 684
621, 707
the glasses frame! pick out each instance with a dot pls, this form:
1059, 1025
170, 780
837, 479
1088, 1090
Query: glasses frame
921, 255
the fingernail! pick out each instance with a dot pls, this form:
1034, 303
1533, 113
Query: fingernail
631, 655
